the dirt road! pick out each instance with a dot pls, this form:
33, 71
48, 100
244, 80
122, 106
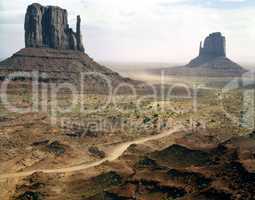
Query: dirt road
114, 154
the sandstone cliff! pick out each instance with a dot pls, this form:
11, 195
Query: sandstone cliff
48, 27
214, 45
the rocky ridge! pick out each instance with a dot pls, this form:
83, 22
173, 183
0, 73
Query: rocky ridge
185, 172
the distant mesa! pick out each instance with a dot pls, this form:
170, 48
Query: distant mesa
211, 61
53, 48
213, 48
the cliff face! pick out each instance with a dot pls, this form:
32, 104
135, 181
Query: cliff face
214, 45
48, 27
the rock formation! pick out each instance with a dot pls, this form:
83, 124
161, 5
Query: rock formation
214, 46
48, 27
212, 60
56, 52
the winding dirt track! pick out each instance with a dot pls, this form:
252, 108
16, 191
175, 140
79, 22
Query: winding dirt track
116, 152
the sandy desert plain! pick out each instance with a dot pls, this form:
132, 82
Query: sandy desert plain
163, 145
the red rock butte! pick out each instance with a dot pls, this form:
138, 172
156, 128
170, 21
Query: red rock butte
55, 50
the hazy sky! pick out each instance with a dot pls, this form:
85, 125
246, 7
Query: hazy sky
144, 30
